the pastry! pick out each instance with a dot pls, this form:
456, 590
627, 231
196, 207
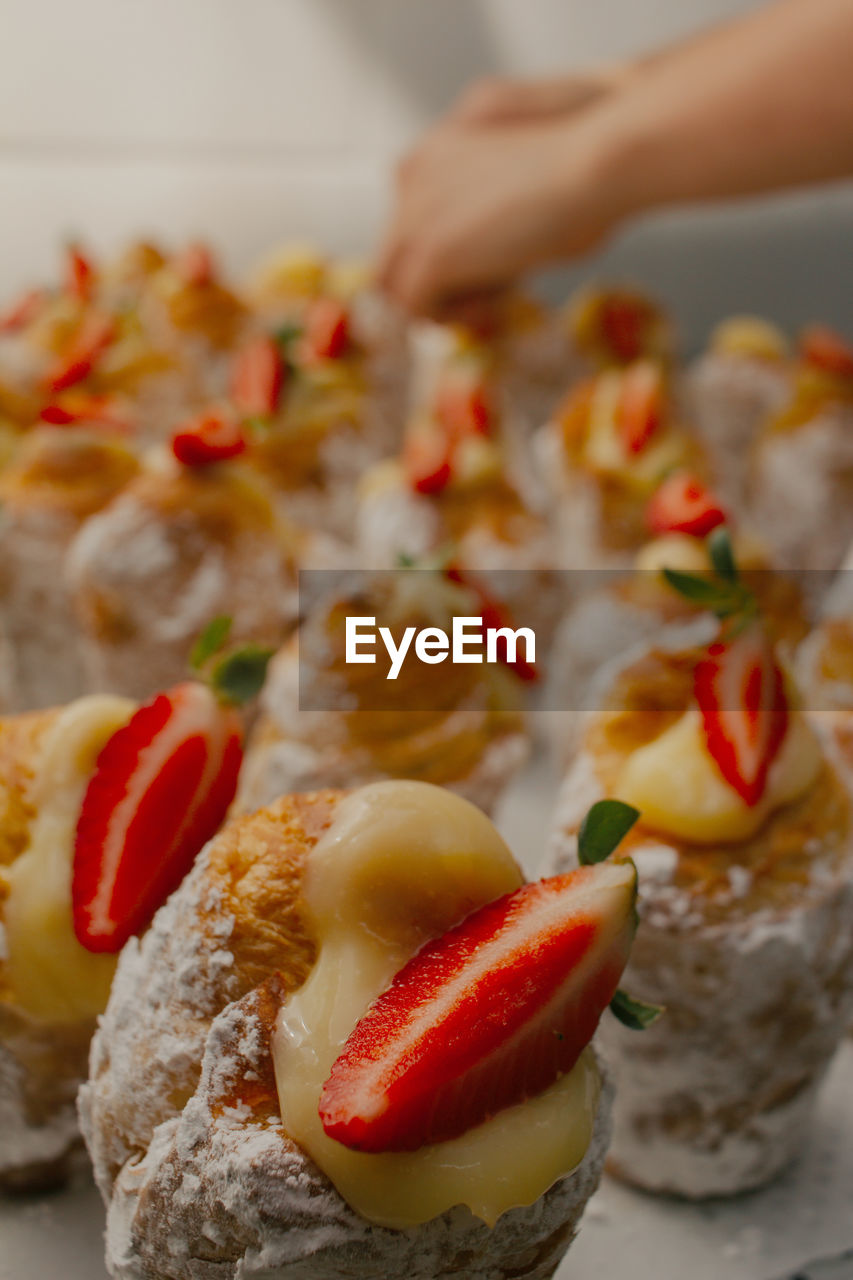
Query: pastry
745, 849
798, 487
83, 790
194, 536
326, 721
200, 1081
59, 477
610, 443
731, 389
625, 611
457, 489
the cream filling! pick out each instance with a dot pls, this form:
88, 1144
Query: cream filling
676, 784
402, 863
50, 974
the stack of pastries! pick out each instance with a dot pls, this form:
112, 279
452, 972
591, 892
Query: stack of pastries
336, 1032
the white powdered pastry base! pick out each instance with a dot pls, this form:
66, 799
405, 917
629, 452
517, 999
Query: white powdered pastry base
769, 1234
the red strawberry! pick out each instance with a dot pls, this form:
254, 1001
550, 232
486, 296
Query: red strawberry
826, 350
79, 274
741, 695
462, 408
327, 330
194, 264
20, 313
207, 439
625, 320
88, 345
427, 462
485, 1016
641, 405
257, 377
81, 407
161, 788
682, 504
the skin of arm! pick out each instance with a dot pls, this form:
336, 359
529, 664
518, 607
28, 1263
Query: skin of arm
527, 176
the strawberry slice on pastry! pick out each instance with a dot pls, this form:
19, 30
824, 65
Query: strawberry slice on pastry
485, 1016
257, 377
89, 343
327, 330
741, 695
826, 350
207, 439
161, 788
683, 504
640, 409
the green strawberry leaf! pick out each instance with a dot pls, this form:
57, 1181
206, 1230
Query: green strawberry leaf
722, 555
635, 1014
239, 676
286, 335
603, 828
210, 641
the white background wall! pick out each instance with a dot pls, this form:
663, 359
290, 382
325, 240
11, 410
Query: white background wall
257, 120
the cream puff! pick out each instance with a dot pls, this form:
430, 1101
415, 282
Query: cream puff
731, 389
327, 721
607, 448
59, 477
216, 1141
798, 481
84, 790
195, 535
745, 847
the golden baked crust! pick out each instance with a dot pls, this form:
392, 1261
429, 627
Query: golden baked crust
20, 741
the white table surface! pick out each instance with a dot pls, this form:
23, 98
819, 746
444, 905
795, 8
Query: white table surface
779, 1232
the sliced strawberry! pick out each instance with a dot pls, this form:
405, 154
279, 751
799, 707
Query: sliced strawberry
641, 404
79, 274
80, 407
194, 264
161, 788
327, 330
683, 504
462, 408
741, 695
485, 1016
88, 345
428, 462
257, 377
22, 312
209, 438
826, 350
626, 320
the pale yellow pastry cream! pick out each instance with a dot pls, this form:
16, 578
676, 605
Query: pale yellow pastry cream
50, 975
684, 552
677, 785
402, 863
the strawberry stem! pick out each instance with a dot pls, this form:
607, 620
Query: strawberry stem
210, 642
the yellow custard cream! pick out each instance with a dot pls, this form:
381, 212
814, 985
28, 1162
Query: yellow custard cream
676, 784
50, 974
402, 863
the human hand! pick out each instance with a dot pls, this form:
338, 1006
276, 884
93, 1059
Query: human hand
476, 206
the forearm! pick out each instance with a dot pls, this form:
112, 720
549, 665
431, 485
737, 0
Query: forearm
757, 105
